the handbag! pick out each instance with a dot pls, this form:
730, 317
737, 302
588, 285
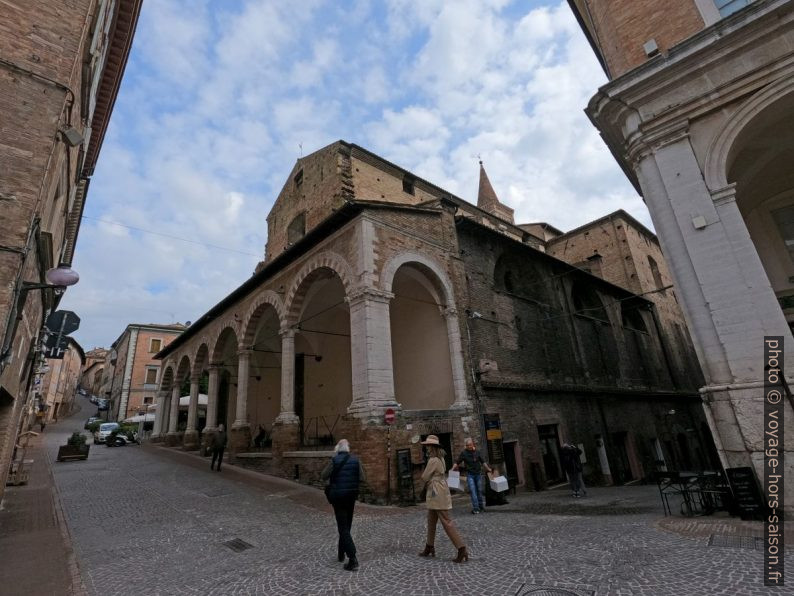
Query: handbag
334, 472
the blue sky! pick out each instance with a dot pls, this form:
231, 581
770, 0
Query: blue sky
221, 97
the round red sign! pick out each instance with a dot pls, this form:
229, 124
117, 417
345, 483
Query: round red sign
389, 417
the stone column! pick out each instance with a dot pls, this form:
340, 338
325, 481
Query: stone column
287, 414
173, 415
210, 428
456, 359
160, 415
241, 429
191, 438
370, 352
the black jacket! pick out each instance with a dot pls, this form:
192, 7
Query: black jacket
347, 479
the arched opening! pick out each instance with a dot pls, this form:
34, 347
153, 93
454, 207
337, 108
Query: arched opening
420, 341
200, 369
760, 163
296, 228
166, 384
515, 275
183, 382
598, 345
655, 273
637, 342
264, 384
323, 382
225, 355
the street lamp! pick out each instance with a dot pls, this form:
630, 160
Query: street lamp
58, 278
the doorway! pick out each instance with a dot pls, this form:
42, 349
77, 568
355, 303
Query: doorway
550, 450
513, 471
622, 473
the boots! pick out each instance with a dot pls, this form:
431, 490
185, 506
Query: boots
430, 551
352, 564
463, 555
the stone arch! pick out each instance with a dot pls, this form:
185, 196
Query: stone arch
720, 150
183, 370
258, 307
218, 342
167, 378
200, 359
405, 258
323, 260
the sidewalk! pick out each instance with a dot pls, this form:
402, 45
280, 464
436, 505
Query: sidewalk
35, 548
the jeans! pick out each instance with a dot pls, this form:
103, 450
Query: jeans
577, 482
474, 481
343, 510
217, 453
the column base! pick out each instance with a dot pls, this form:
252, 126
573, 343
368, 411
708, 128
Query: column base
172, 439
190, 442
372, 410
239, 438
287, 418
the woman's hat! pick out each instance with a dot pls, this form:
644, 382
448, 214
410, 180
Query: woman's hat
431, 440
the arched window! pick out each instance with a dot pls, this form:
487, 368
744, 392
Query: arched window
297, 228
632, 319
657, 277
587, 302
516, 275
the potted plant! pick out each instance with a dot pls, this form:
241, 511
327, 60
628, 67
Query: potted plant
75, 448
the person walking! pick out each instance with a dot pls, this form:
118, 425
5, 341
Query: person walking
572, 466
218, 446
344, 474
473, 462
439, 502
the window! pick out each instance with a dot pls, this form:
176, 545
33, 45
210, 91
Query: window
728, 7
151, 376
632, 318
148, 399
784, 219
154, 345
587, 302
657, 276
296, 229
408, 185
298, 179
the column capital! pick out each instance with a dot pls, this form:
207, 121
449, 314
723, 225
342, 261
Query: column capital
450, 312
244, 352
724, 195
287, 332
369, 294
215, 367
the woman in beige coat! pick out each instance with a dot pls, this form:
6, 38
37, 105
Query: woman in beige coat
439, 502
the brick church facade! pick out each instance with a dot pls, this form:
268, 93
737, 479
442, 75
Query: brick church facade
381, 291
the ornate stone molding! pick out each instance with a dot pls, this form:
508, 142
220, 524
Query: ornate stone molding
368, 293
724, 195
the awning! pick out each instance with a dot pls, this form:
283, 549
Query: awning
140, 418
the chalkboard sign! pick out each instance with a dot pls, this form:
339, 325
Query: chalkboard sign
405, 477
747, 499
404, 468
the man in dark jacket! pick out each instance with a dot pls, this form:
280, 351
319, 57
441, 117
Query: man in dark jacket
474, 463
344, 475
218, 445
572, 465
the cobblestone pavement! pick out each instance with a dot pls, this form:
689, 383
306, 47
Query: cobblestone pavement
150, 520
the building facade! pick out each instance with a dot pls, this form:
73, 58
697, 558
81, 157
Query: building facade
133, 373
59, 386
381, 292
60, 70
93, 371
699, 112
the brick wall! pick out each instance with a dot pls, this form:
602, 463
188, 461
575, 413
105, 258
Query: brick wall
623, 26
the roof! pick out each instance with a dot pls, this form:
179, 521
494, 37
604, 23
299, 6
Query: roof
620, 213
171, 327
120, 41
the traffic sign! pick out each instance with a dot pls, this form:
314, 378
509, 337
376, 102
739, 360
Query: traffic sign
56, 350
62, 322
389, 417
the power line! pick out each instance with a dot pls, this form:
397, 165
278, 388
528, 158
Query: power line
145, 231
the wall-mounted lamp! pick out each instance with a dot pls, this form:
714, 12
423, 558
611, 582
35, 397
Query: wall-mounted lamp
58, 278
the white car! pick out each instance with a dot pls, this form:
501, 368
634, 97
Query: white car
104, 430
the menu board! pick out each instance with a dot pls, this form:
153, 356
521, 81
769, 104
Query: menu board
493, 438
746, 494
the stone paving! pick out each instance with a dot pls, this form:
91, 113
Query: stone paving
149, 520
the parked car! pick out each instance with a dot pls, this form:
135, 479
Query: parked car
90, 421
101, 435
94, 399
102, 404
82, 391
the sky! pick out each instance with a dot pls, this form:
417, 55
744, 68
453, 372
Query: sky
220, 98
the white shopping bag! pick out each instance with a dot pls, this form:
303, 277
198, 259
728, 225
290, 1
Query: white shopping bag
453, 480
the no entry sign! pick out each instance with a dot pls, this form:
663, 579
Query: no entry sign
389, 417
